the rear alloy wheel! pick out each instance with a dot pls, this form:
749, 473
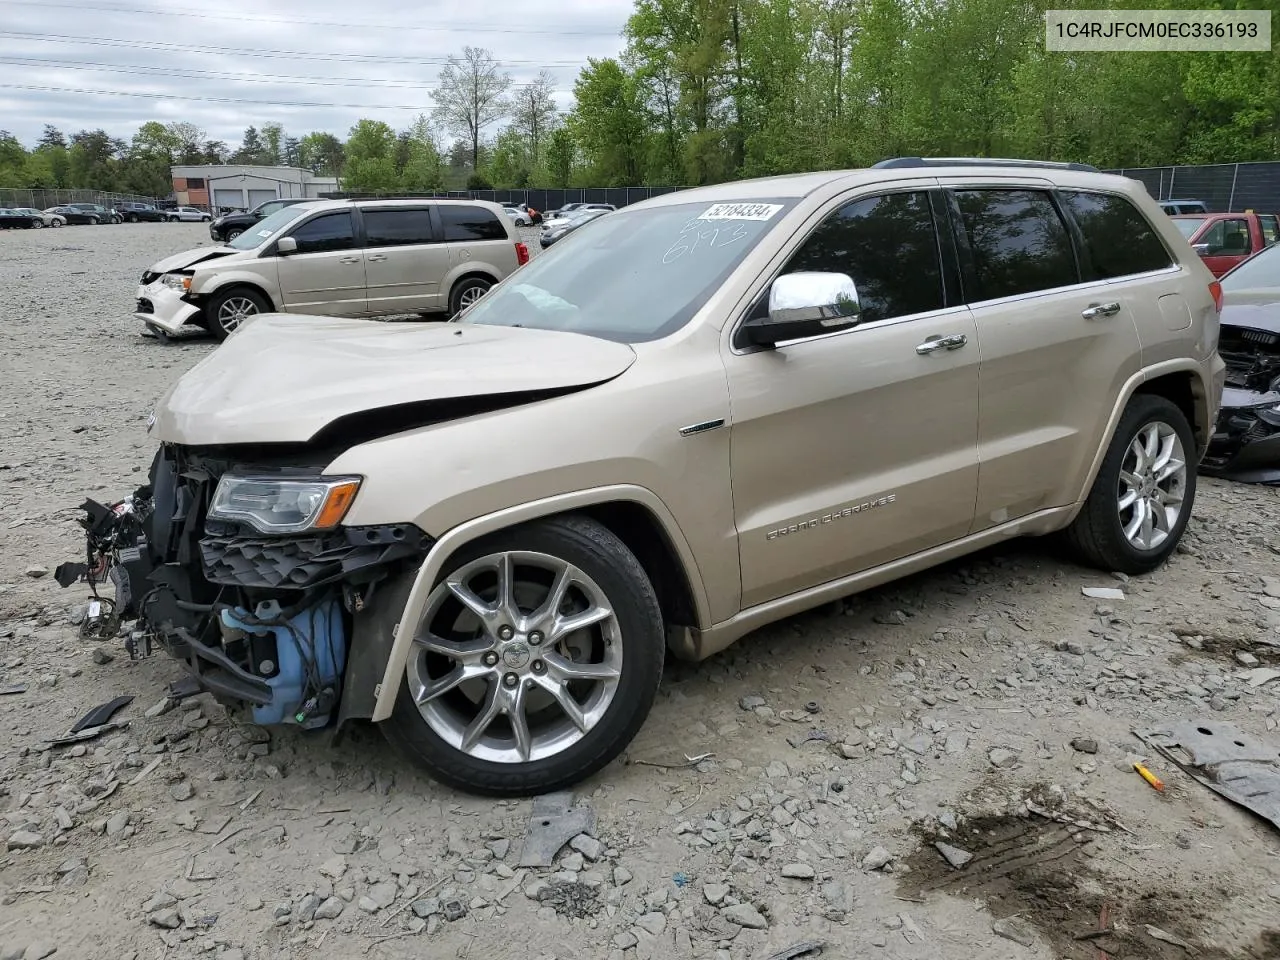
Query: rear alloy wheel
535, 663
38, 224
228, 310
133, 218
466, 293
55, 222
1142, 498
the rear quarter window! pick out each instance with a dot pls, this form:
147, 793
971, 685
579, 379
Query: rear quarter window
470, 224
1118, 239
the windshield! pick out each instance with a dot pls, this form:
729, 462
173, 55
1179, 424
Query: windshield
1189, 225
1259, 272
266, 228
632, 276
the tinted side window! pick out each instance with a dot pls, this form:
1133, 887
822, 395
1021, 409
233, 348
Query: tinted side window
329, 231
470, 223
1118, 240
394, 228
1270, 229
1019, 243
889, 247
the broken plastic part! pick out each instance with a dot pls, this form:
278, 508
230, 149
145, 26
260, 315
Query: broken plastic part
101, 714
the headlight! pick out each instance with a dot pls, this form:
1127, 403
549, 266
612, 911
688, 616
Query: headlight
284, 506
177, 281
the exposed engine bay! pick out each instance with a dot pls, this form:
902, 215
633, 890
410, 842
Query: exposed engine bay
1246, 442
263, 620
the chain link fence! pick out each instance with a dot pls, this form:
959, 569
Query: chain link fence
1223, 187
41, 199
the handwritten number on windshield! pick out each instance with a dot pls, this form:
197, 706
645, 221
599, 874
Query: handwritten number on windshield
698, 234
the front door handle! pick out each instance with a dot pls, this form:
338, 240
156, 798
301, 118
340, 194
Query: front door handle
375, 258
953, 342
1096, 310
348, 259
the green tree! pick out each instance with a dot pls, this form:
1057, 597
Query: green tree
559, 158
321, 153
252, 150
273, 143
370, 140
423, 168
610, 123
509, 166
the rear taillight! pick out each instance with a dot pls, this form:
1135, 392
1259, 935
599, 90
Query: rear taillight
1215, 291
522, 254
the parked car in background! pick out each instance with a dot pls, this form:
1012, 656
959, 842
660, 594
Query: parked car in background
102, 214
137, 212
714, 409
567, 208
338, 258
566, 225
74, 215
46, 219
1175, 207
1226, 239
231, 225
578, 209
520, 218
1246, 443
17, 220
187, 214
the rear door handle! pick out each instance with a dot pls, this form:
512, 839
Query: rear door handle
348, 259
375, 258
1096, 310
953, 342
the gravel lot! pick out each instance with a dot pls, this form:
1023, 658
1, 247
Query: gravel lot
936, 708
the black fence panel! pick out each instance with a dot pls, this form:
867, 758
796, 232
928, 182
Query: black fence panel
1222, 187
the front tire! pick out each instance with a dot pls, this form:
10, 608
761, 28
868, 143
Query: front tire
227, 309
1142, 498
233, 233
37, 224
132, 218
467, 292
535, 663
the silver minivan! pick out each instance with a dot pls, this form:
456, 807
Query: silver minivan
337, 258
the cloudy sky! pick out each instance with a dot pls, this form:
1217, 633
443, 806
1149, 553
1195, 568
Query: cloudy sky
307, 64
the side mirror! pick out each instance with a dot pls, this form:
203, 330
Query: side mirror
1201, 248
805, 304
286, 246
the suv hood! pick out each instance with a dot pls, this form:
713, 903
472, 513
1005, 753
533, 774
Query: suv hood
284, 378
189, 258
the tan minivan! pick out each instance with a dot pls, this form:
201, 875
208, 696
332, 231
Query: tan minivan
690, 418
337, 258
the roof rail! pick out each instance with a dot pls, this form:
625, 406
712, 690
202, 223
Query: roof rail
900, 162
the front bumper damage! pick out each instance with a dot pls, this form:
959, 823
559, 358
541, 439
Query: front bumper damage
163, 308
1246, 441
265, 622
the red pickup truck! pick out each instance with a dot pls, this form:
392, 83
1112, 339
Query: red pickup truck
1224, 239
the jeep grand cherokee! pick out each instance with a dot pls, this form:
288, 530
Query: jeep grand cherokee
708, 411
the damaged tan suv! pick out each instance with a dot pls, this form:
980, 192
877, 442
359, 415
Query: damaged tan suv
695, 416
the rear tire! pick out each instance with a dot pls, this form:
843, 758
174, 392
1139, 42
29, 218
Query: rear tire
37, 224
466, 292
604, 675
1143, 495
133, 218
227, 309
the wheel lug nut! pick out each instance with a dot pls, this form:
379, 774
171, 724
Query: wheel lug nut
539, 666
535, 638
490, 659
505, 632
510, 680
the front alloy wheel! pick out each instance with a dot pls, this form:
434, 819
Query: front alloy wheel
535, 662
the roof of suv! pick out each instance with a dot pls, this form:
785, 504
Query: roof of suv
795, 185
399, 202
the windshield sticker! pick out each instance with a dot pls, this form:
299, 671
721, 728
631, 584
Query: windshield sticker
741, 211
264, 233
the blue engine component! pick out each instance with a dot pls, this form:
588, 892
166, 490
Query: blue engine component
311, 655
